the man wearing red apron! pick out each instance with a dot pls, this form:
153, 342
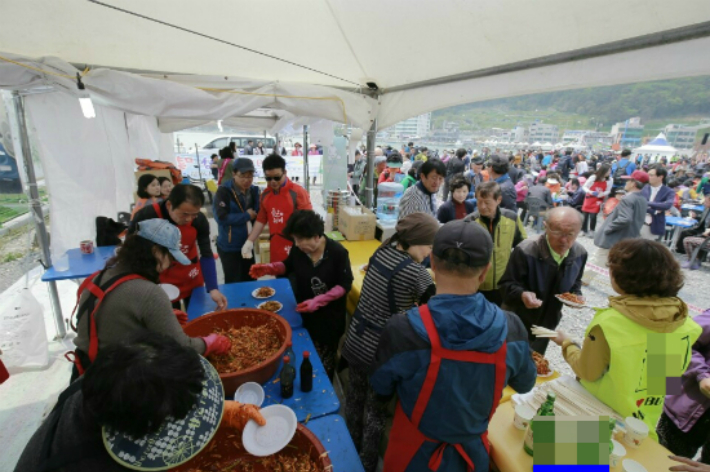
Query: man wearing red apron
183, 210
278, 202
449, 361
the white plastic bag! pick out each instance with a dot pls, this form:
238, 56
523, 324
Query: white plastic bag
23, 336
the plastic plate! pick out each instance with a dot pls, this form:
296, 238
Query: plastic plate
260, 306
171, 290
253, 294
281, 424
250, 392
569, 303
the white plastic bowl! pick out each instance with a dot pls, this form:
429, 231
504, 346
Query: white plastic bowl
250, 392
171, 290
281, 424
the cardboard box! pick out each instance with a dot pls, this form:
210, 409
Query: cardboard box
357, 223
264, 251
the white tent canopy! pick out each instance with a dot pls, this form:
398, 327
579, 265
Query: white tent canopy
657, 148
322, 43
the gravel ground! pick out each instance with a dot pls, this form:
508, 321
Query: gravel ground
575, 322
16, 256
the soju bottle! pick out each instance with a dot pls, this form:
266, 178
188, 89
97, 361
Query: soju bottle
546, 409
287, 377
306, 373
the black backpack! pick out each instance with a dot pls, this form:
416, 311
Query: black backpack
619, 173
108, 231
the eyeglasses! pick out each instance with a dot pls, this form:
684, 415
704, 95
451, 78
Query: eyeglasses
269, 179
562, 234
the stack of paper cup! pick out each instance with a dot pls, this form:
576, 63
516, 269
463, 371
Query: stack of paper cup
617, 454
636, 432
523, 416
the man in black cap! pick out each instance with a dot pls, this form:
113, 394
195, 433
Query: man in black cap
424, 354
236, 204
498, 167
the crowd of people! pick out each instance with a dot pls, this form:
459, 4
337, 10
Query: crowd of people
451, 296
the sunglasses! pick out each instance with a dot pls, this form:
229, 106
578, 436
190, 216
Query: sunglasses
269, 179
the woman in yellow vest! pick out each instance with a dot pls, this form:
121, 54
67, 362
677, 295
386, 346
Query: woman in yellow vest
645, 336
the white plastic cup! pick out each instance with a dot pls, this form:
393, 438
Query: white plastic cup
636, 432
61, 263
523, 416
617, 454
632, 466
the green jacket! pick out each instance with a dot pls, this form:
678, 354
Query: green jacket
507, 231
408, 181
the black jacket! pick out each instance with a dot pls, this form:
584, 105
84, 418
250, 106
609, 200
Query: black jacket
532, 269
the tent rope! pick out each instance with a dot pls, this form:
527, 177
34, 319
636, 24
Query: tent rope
43, 71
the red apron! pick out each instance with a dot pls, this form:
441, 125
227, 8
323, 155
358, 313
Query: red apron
591, 203
189, 277
280, 208
100, 293
405, 437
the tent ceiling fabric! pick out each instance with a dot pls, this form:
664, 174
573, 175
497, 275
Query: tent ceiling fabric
395, 42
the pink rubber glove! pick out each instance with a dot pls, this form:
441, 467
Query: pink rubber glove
260, 270
216, 344
309, 306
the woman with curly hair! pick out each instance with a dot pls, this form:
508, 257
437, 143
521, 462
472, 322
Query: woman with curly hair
644, 337
125, 297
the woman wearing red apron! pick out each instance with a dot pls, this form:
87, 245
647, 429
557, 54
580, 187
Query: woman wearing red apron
596, 189
448, 394
139, 304
278, 202
182, 209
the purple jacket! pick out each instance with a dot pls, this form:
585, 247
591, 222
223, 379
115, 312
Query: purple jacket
686, 409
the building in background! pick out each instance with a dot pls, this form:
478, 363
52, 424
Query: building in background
679, 136
543, 133
416, 126
628, 134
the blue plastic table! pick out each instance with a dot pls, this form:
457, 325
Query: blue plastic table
334, 435
688, 206
81, 265
320, 401
239, 296
677, 223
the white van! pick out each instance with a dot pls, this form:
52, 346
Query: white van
241, 141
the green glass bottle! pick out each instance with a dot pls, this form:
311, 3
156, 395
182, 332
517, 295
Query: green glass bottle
546, 409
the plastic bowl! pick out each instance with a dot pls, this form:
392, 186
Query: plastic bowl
304, 440
250, 392
260, 373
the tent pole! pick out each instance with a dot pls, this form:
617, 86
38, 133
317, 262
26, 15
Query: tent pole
306, 176
37, 209
370, 181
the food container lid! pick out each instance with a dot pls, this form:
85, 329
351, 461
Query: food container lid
281, 424
251, 393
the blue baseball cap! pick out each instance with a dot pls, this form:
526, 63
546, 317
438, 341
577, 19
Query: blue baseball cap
166, 234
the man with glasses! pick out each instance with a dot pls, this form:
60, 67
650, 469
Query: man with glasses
660, 199
278, 202
236, 204
541, 268
182, 208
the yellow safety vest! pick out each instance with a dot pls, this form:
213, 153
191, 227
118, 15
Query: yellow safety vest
625, 386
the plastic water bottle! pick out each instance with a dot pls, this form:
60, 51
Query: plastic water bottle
287, 377
306, 373
388, 196
291, 354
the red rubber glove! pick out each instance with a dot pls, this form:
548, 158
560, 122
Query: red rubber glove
260, 270
237, 415
216, 344
309, 306
181, 316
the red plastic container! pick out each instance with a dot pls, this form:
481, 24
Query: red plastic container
260, 373
228, 446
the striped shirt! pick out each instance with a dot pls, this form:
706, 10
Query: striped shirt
416, 200
408, 285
